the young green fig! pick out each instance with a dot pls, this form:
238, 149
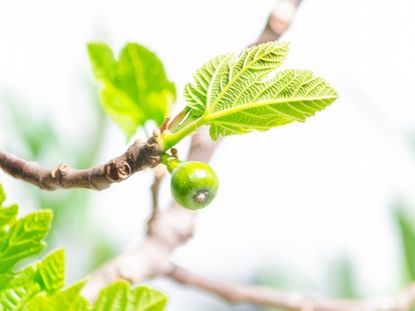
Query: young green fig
193, 184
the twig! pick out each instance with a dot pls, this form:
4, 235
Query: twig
279, 20
159, 172
267, 297
139, 155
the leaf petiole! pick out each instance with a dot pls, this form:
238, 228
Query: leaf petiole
175, 124
170, 139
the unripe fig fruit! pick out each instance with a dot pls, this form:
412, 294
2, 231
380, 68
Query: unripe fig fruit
193, 184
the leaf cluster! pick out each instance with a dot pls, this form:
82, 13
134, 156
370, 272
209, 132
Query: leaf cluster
231, 94
40, 286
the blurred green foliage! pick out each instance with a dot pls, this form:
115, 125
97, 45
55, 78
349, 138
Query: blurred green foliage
405, 221
343, 279
38, 138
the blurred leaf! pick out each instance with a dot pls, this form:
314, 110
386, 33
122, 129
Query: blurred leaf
87, 153
23, 238
405, 222
7, 214
119, 297
135, 87
52, 270
342, 278
102, 250
411, 141
2, 195
68, 300
283, 279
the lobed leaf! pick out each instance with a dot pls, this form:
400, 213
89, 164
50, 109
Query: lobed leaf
135, 88
114, 297
236, 95
147, 299
68, 300
38, 287
120, 297
24, 238
52, 270
17, 288
7, 214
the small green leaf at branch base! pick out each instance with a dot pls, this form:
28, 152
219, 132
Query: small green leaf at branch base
134, 87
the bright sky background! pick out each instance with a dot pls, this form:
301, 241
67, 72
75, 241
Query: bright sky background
294, 198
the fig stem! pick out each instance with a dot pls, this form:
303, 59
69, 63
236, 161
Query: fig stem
170, 161
169, 139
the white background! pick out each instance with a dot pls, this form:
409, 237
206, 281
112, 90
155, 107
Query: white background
294, 198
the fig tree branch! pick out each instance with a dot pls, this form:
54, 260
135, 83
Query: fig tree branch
159, 173
236, 293
138, 156
279, 20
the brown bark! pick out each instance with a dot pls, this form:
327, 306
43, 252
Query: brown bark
138, 156
236, 293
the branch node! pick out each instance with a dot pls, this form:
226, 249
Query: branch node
123, 169
157, 135
59, 172
155, 160
117, 170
